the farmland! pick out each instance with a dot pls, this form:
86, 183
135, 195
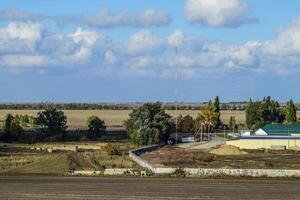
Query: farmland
91, 188
29, 159
78, 118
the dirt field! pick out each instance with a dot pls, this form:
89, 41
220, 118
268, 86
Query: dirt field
78, 118
21, 159
88, 188
176, 157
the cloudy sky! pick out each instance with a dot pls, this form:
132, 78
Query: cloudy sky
124, 51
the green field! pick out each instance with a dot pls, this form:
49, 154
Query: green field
77, 118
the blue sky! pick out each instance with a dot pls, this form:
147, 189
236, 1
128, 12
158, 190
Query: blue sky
124, 51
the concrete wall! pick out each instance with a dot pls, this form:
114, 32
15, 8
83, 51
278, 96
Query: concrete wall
264, 143
135, 155
243, 172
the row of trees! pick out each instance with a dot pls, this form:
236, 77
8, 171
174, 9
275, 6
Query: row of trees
268, 111
96, 106
52, 123
150, 123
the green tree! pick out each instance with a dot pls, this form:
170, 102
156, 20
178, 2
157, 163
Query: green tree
232, 124
263, 112
12, 128
217, 110
186, 124
208, 116
290, 112
32, 121
96, 127
149, 124
54, 121
8, 123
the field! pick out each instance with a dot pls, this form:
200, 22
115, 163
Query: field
92, 188
254, 159
23, 159
78, 118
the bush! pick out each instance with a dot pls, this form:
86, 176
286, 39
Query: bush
179, 173
112, 149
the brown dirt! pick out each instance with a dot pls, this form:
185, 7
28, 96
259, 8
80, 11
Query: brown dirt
227, 150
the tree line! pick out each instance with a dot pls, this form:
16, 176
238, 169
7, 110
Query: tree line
268, 111
49, 125
101, 106
150, 124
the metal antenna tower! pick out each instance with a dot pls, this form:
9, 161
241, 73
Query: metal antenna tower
176, 95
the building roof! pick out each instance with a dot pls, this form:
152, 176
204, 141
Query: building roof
281, 129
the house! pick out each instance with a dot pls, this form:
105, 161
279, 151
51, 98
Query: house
270, 136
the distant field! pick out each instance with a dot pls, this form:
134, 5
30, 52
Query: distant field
77, 118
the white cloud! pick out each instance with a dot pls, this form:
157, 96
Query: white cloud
144, 42
31, 45
176, 39
110, 58
287, 42
105, 19
22, 61
87, 38
218, 13
20, 37
13, 14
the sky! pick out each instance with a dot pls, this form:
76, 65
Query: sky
125, 51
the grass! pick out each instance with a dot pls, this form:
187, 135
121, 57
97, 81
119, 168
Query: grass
78, 118
20, 159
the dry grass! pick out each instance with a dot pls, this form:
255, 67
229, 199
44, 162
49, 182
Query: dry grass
78, 118
255, 159
20, 159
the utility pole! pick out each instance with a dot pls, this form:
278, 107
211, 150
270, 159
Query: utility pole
288, 138
176, 95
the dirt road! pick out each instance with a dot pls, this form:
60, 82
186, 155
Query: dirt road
42, 187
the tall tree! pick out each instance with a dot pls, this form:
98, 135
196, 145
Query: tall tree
232, 124
96, 126
290, 112
186, 124
217, 110
263, 112
208, 116
8, 123
149, 124
54, 121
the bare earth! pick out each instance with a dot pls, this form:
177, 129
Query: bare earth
78, 118
40, 187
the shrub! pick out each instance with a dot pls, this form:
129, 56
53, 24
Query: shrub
179, 173
112, 149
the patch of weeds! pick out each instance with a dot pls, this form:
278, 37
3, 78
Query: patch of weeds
112, 149
179, 173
